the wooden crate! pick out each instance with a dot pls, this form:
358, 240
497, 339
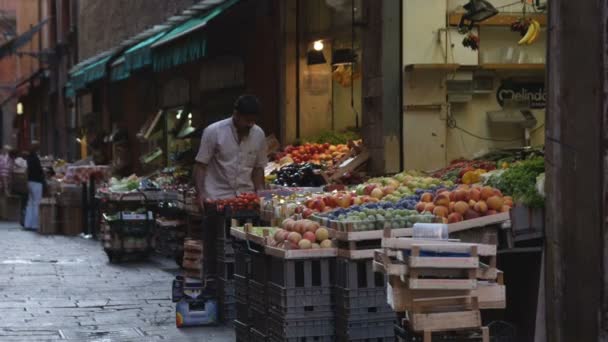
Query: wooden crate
356, 245
49, 216
71, 220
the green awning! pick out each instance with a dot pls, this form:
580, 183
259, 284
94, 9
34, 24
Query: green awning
185, 43
118, 71
90, 73
140, 55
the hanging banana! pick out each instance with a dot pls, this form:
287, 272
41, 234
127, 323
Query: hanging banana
529, 34
534, 37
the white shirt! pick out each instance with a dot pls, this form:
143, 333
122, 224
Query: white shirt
230, 163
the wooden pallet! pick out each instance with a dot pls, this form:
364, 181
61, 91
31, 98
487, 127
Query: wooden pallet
353, 238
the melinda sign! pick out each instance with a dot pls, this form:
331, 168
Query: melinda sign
534, 93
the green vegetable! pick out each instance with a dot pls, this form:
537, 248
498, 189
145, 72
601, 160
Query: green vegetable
520, 181
333, 138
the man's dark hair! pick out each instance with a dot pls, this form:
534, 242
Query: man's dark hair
248, 105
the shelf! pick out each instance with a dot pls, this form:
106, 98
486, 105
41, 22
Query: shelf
500, 19
523, 66
492, 66
438, 66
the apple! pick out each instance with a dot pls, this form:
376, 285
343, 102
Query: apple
326, 244
368, 189
310, 236
344, 200
377, 193
357, 200
322, 234
294, 237
426, 197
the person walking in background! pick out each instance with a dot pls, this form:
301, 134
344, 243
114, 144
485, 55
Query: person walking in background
6, 169
35, 184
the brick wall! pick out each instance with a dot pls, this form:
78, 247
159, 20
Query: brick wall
104, 24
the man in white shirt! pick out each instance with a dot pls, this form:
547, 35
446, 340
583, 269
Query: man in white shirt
232, 154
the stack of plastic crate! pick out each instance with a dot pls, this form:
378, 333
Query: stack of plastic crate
300, 305
225, 272
242, 272
362, 312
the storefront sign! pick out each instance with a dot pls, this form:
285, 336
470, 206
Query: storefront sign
532, 93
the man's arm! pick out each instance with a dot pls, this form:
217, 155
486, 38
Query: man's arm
200, 171
257, 176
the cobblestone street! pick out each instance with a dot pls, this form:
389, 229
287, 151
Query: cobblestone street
59, 288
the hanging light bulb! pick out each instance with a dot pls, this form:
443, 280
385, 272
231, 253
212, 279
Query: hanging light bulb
318, 45
179, 114
19, 108
190, 116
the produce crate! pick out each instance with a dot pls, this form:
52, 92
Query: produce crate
241, 288
357, 274
527, 223
315, 329
259, 319
242, 260
242, 331
290, 273
282, 297
366, 327
225, 249
49, 216
364, 298
257, 336
258, 295
243, 313
225, 269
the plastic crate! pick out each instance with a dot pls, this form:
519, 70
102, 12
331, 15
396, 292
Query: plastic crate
365, 330
303, 312
368, 313
225, 269
281, 297
301, 273
300, 328
242, 260
260, 266
257, 336
305, 339
258, 319
243, 314
361, 298
258, 295
357, 274
241, 288
242, 331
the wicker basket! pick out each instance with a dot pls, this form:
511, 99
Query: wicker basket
70, 220
49, 223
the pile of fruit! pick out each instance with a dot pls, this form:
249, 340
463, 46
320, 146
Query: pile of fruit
405, 184
243, 202
375, 216
520, 180
301, 234
325, 154
465, 171
464, 203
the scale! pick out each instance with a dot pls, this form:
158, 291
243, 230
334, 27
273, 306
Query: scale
515, 113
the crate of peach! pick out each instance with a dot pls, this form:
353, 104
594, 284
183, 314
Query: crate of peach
246, 204
300, 239
467, 206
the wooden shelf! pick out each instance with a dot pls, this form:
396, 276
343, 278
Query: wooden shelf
524, 67
437, 66
499, 19
492, 66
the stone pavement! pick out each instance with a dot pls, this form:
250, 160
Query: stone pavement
56, 288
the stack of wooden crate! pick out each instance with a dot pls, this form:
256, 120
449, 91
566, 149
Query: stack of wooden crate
439, 287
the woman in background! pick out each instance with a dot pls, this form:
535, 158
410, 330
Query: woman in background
35, 183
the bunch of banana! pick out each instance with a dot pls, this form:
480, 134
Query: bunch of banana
531, 34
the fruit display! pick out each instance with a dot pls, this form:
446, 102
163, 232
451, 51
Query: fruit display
325, 154
520, 180
301, 234
299, 175
393, 189
457, 170
374, 216
243, 202
82, 174
464, 203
